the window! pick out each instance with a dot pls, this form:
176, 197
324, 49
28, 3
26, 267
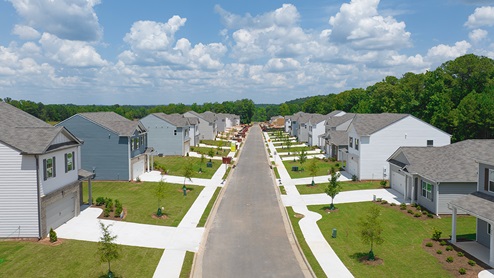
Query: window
141, 139
137, 143
351, 142
69, 162
132, 144
430, 143
489, 228
356, 143
491, 180
427, 190
49, 168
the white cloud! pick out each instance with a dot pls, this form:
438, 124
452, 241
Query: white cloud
25, 32
483, 16
444, 52
70, 53
360, 25
477, 35
67, 19
151, 35
282, 65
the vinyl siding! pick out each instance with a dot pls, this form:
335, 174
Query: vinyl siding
104, 151
482, 236
451, 191
481, 185
382, 144
61, 178
207, 130
161, 136
18, 194
423, 201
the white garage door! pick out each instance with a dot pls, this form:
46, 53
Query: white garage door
187, 147
352, 167
60, 212
137, 169
398, 182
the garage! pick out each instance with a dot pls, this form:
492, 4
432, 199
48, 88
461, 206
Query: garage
352, 167
138, 168
60, 211
186, 147
398, 182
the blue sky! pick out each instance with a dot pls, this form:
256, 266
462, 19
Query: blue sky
160, 52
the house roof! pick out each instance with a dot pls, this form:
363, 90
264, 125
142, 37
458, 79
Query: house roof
367, 124
27, 133
451, 163
209, 116
334, 113
317, 118
114, 122
176, 119
337, 137
477, 204
338, 120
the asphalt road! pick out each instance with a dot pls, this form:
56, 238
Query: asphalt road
248, 237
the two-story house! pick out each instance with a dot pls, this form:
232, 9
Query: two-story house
434, 176
481, 205
115, 148
334, 141
39, 175
169, 134
207, 126
373, 138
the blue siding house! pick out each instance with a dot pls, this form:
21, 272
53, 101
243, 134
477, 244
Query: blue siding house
114, 148
169, 134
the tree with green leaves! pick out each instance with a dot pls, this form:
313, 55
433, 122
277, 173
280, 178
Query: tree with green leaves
210, 154
334, 187
187, 171
107, 248
371, 228
302, 158
313, 169
160, 193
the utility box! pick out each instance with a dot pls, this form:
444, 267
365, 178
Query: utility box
333, 235
294, 168
209, 164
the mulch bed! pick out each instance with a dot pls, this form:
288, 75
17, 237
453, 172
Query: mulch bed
112, 214
298, 215
423, 213
458, 262
376, 261
46, 241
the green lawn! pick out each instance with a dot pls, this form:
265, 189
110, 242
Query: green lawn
292, 150
401, 251
220, 143
175, 166
345, 186
73, 258
323, 168
303, 244
140, 201
207, 211
187, 266
205, 151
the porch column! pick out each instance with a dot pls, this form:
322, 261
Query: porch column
89, 192
412, 201
405, 195
453, 226
491, 250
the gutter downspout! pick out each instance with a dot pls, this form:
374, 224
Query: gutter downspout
38, 196
129, 159
436, 199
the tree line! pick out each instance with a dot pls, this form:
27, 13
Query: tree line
457, 97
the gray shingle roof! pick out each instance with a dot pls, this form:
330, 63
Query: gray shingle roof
451, 163
317, 118
478, 204
114, 122
209, 116
367, 124
175, 119
25, 132
337, 137
338, 120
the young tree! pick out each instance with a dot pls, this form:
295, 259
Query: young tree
108, 249
203, 158
210, 154
334, 186
288, 142
302, 158
371, 229
313, 169
160, 193
187, 171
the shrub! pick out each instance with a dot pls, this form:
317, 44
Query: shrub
106, 212
337, 165
403, 206
417, 214
117, 203
424, 212
472, 263
354, 178
443, 242
53, 235
414, 205
460, 254
379, 199
436, 234
383, 183
418, 207
449, 248
430, 215
449, 259
439, 252
100, 201
410, 211
462, 271
429, 244
118, 211
109, 204
384, 202
392, 204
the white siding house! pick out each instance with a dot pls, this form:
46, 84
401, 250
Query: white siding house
372, 139
39, 175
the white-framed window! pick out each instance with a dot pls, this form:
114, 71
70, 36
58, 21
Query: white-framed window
49, 168
427, 190
430, 143
351, 142
69, 161
357, 141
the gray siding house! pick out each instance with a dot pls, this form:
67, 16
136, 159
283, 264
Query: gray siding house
481, 205
207, 124
169, 134
39, 175
115, 148
434, 176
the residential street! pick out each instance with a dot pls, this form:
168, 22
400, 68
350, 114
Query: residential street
248, 236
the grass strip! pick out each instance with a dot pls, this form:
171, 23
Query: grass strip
207, 211
187, 265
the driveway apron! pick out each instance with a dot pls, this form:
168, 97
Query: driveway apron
247, 237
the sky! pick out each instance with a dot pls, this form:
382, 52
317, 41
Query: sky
160, 51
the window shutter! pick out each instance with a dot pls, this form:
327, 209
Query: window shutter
44, 169
432, 192
486, 179
73, 160
54, 168
66, 164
